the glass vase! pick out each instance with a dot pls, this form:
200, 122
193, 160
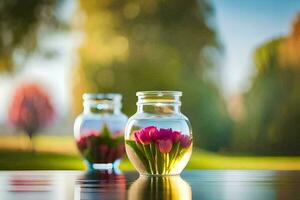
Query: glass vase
158, 136
99, 131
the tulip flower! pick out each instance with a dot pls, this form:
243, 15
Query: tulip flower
164, 146
185, 141
81, 143
120, 150
142, 137
103, 150
159, 150
101, 147
152, 131
91, 133
165, 133
175, 136
168, 134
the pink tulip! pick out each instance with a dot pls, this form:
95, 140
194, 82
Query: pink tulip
168, 134
120, 150
110, 155
88, 134
81, 143
137, 139
165, 133
103, 150
164, 146
185, 141
175, 136
152, 131
84, 138
146, 135
142, 136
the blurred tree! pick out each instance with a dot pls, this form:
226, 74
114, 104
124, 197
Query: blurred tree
20, 23
155, 45
272, 123
290, 49
31, 109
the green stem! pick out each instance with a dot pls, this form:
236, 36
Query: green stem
138, 149
173, 156
160, 161
147, 152
165, 158
179, 155
167, 162
154, 158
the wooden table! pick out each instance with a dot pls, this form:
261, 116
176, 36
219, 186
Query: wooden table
195, 184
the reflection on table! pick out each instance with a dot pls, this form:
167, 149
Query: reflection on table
197, 184
169, 187
103, 184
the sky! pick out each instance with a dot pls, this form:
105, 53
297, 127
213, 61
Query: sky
242, 26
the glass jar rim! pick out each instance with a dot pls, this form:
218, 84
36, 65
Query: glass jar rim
159, 93
159, 97
102, 96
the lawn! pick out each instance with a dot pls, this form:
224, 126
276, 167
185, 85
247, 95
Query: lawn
53, 152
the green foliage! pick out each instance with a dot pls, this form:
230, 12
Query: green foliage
25, 160
155, 45
272, 121
266, 56
64, 155
20, 23
106, 138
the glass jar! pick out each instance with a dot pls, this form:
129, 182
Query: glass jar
99, 130
158, 137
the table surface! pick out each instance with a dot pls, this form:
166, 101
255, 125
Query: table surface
195, 184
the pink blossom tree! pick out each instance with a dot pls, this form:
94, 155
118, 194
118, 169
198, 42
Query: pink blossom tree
30, 109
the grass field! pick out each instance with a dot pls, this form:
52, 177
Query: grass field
53, 152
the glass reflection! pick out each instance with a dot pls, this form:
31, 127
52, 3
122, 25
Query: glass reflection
29, 183
103, 184
170, 187
287, 186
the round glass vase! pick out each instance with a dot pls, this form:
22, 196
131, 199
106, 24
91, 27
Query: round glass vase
158, 137
99, 131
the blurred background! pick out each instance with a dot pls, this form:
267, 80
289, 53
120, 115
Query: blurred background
237, 63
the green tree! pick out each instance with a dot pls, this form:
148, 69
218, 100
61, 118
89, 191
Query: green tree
20, 23
154, 45
272, 121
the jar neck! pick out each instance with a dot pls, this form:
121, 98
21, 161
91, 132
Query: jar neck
158, 108
159, 102
101, 108
101, 103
